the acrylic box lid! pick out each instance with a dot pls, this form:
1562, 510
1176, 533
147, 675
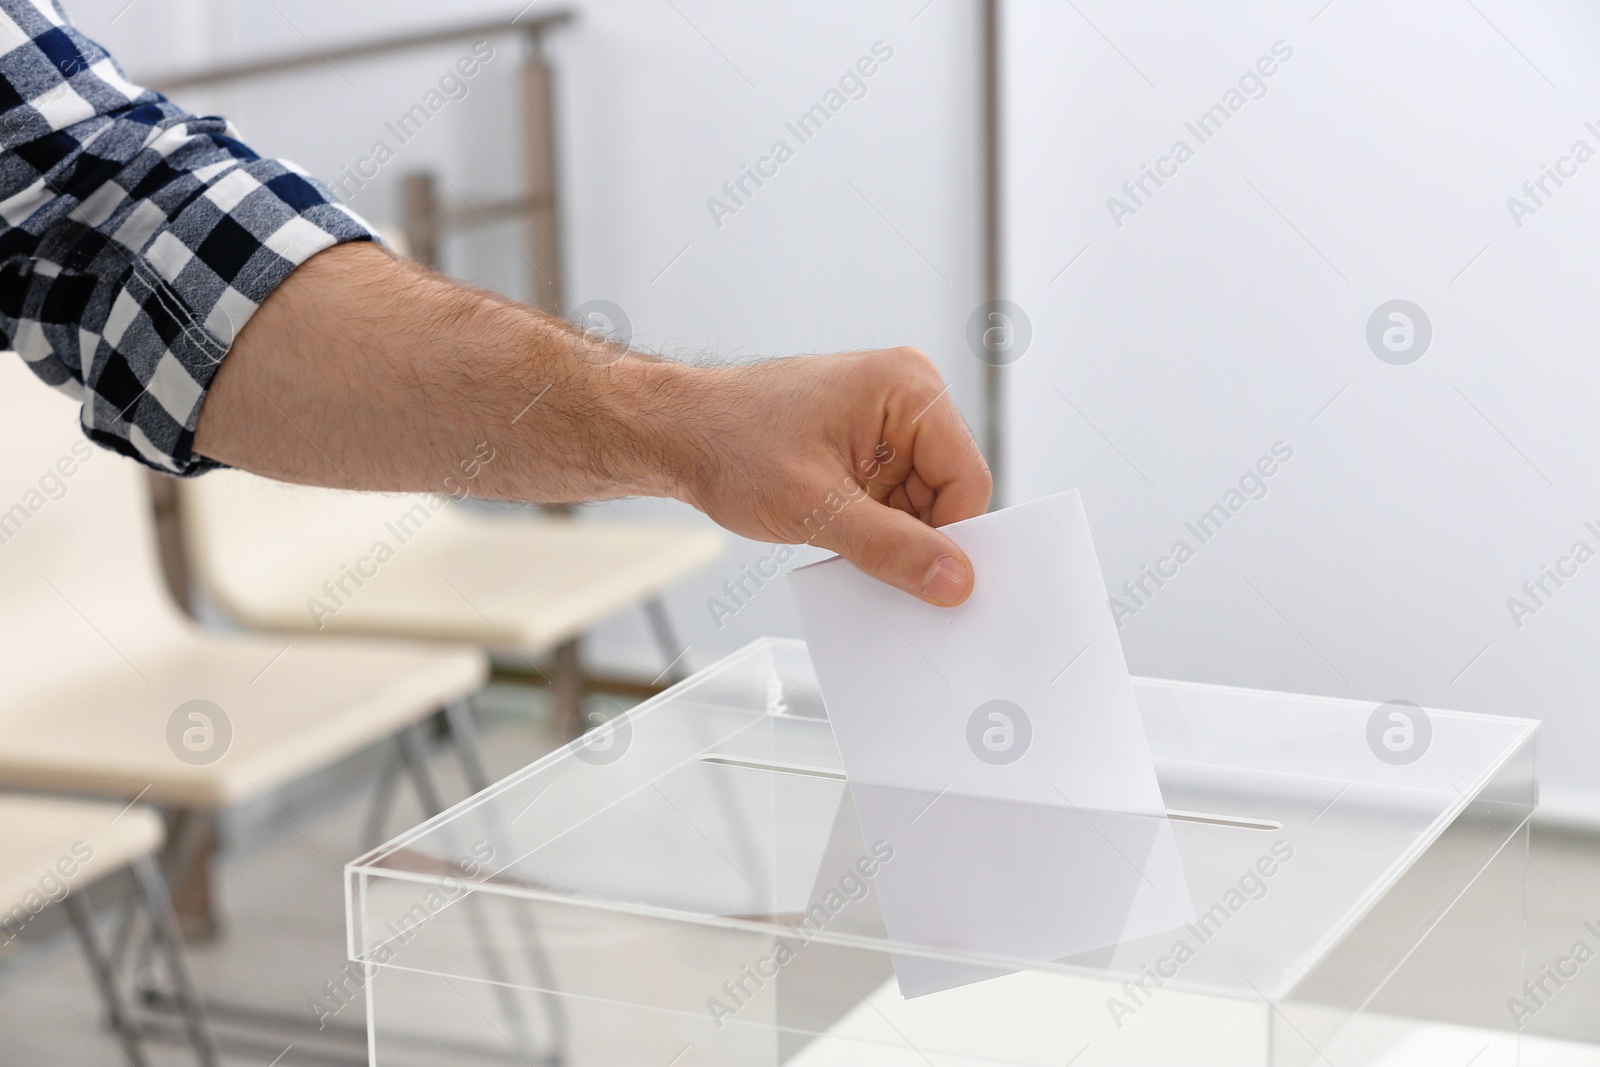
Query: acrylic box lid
720, 804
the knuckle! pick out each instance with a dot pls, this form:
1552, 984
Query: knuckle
897, 362
916, 358
908, 372
985, 476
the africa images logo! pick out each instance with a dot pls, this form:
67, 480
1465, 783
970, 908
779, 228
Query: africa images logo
1399, 732
199, 732
1399, 332
999, 732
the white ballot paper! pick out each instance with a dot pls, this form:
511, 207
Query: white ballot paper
997, 748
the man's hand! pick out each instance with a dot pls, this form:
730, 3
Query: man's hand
864, 454
365, 372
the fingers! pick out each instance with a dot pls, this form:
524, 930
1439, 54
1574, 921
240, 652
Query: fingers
902, 551
934, 476
946, 460
936, 463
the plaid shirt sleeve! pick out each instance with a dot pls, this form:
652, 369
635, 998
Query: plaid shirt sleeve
136, 240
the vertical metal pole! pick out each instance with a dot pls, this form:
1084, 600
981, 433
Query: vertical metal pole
539, 147
166, 506
419, 214
566, 690
189, 858
993, 281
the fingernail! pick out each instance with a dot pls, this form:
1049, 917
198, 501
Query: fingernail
947, 582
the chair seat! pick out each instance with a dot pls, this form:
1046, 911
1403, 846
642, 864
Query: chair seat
519, 584
49, 845
293, 704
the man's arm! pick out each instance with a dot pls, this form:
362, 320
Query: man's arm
363, 371
143, 248
136, 239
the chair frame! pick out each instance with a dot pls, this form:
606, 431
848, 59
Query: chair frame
150, 887
186, 856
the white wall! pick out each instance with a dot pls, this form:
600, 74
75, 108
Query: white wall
656, 113
1231, 308
1222, 317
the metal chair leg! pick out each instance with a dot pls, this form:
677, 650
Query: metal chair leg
189, 877
414, 753
413, 749
190, 838
464, 736
130, 930
382, 800
105, 979
164, 924
566, 690
655, 611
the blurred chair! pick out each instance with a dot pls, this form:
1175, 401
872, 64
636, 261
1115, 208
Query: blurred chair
54, 850
112, 692
298, 559
521, 586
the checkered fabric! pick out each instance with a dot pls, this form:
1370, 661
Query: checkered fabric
136, 239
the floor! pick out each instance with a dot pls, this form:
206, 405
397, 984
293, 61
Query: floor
283, 943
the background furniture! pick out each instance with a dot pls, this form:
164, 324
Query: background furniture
54, 850
111, 692
522, 585
297, 559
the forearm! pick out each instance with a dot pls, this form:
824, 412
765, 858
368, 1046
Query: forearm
359, 371
366, 372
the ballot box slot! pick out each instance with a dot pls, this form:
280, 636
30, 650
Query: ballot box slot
776, 768
1223, 820
836, 776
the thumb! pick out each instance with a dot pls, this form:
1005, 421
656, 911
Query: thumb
900, 550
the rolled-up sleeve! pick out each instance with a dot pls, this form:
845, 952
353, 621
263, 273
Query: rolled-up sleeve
136, 239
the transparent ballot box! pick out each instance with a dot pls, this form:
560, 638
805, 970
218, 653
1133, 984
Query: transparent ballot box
695, 883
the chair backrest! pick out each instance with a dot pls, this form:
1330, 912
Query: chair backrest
80, 582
